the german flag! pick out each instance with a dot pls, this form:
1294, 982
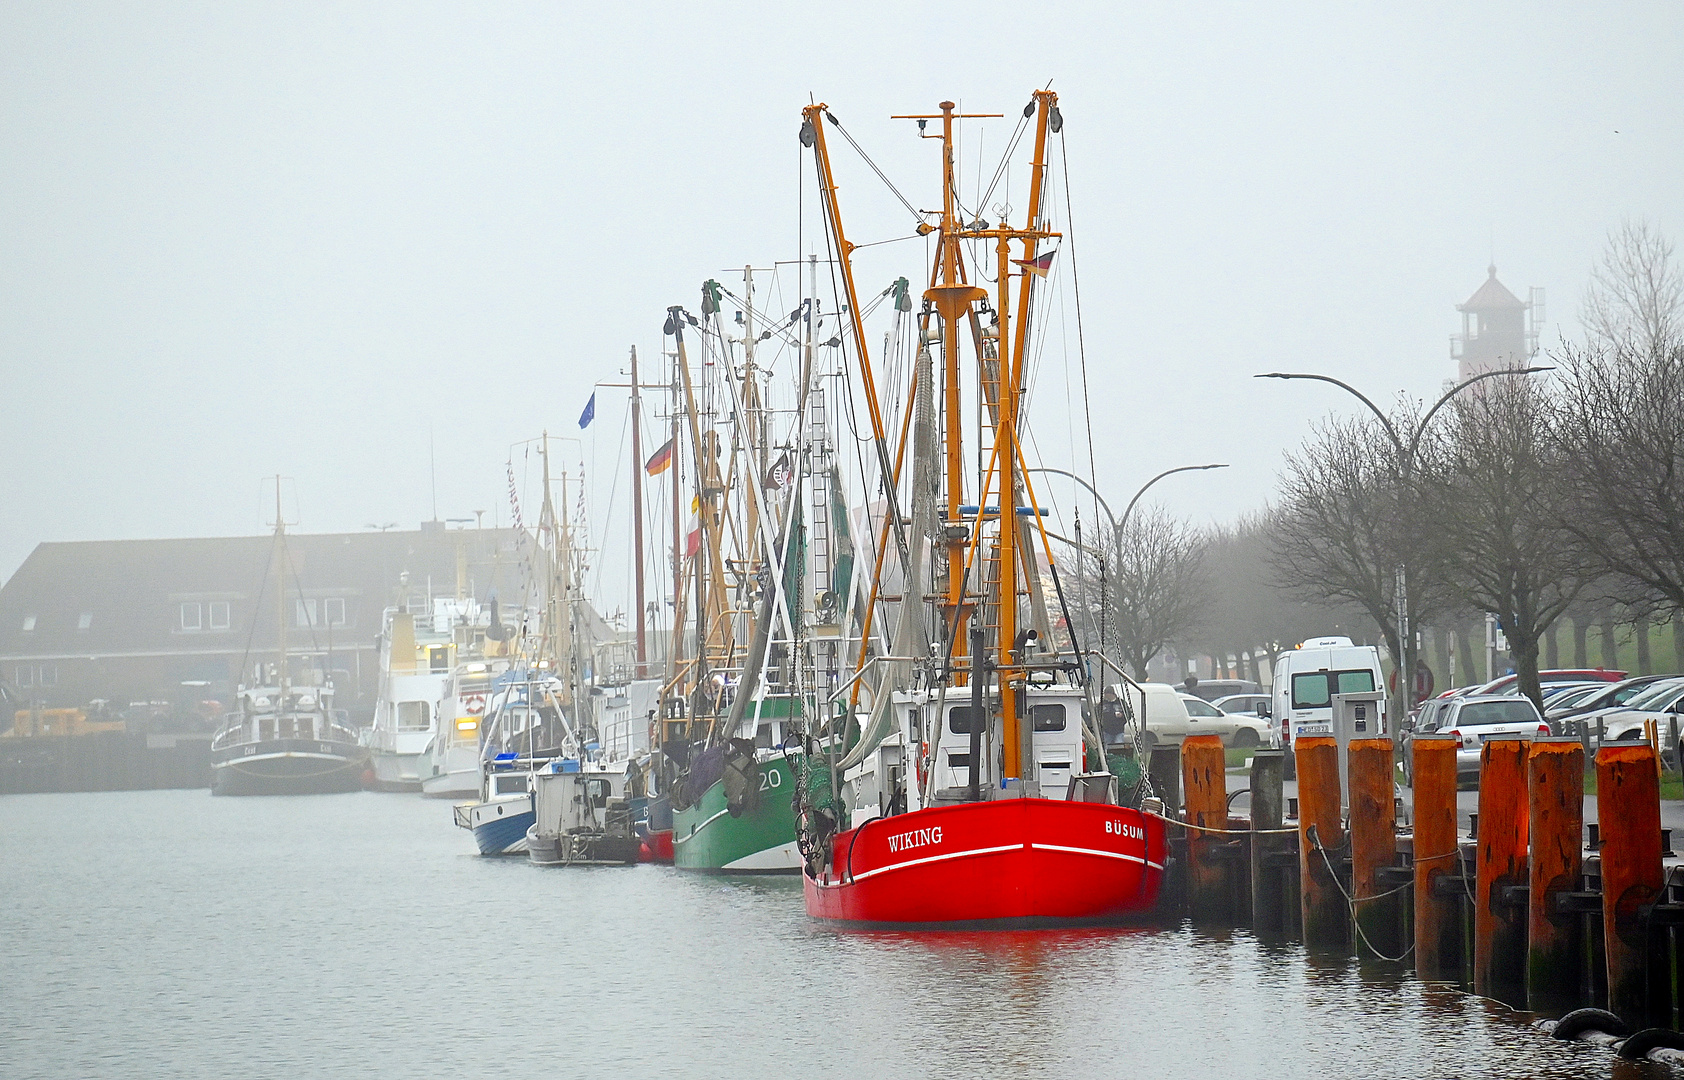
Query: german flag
1039, 265
661, 462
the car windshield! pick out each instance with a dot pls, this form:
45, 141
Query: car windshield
1312, 690
1479, 713
1574, 697
1653, 697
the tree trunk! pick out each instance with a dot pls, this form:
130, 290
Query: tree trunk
1581, 648
1524, 652
1441, 658
1552, 647
1678, 641
1610, 646
1640, 628
1464, 649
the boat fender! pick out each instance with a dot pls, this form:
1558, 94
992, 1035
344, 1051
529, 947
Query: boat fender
1638, 1046
742, 778
1580, 1021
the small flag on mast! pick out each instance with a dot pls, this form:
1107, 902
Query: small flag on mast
660, 462
589, 414
1039, 265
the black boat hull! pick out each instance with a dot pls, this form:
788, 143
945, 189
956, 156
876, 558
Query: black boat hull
582, 849
289, 767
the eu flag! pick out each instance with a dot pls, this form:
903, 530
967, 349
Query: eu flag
589, 414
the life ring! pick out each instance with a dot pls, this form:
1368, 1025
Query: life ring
474, 703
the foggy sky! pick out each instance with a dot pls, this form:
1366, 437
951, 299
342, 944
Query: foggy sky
302, 238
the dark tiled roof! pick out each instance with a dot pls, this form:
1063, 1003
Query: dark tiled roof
1491, 295
131, 590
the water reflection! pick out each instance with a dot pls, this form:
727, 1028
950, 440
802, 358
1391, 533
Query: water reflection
435, 962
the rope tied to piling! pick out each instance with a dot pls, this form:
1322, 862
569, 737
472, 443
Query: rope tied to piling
1222, 832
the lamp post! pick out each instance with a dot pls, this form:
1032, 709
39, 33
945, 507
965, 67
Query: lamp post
1406, 465
1117, 523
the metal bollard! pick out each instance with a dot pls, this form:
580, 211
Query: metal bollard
1629, 808
1555, 941
1438, 918
1374, 847
1499, 920
1268, 770
1325, 916
1204, 775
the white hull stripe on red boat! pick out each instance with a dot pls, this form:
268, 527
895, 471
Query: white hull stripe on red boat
932, 859
1096, 851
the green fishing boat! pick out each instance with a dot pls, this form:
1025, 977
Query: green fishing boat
743, 821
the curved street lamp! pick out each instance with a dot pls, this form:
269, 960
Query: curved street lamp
1406, 460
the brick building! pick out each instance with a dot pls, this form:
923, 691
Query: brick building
176, 621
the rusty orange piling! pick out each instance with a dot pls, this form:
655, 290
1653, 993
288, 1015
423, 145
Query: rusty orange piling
1629, 808
1326, 918
1555, 941
1438, 917
1377, 904
1501, 868
1204, 786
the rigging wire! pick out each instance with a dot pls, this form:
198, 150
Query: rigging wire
837, 124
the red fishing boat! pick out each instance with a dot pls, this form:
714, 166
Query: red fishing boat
977, 791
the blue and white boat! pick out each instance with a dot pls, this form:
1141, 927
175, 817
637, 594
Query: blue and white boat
525, 731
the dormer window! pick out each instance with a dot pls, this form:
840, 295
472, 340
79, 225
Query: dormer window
85, 620
192, 616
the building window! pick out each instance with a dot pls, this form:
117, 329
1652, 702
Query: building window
218, 614
305, 613
26, 675
49, 675
333, 610
191, 616
86, 620
28, 623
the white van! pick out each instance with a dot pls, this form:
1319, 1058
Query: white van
1307, 677
1160, 708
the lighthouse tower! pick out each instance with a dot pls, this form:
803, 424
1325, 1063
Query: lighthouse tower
1499, 330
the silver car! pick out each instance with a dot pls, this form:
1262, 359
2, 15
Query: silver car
1475, 719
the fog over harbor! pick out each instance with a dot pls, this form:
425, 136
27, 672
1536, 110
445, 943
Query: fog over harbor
344, 244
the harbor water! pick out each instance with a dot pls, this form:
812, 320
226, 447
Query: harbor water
167, 933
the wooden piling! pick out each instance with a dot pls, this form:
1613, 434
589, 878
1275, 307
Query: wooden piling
1268, 912
1438, 918
1629, 809
1204, 778
1373, 846
1164, 767
1501, 867
1325, 914
1555, 941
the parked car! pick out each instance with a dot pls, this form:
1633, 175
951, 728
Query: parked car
1475, 719
1211, 689
1246, 704
1662, 702
1510, 683
1236, 729
1596, 697
1159, 708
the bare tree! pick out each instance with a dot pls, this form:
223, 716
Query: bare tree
1155, 586
1349, 518
1493, 486
1635, 299
1249, 611
1621, 427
